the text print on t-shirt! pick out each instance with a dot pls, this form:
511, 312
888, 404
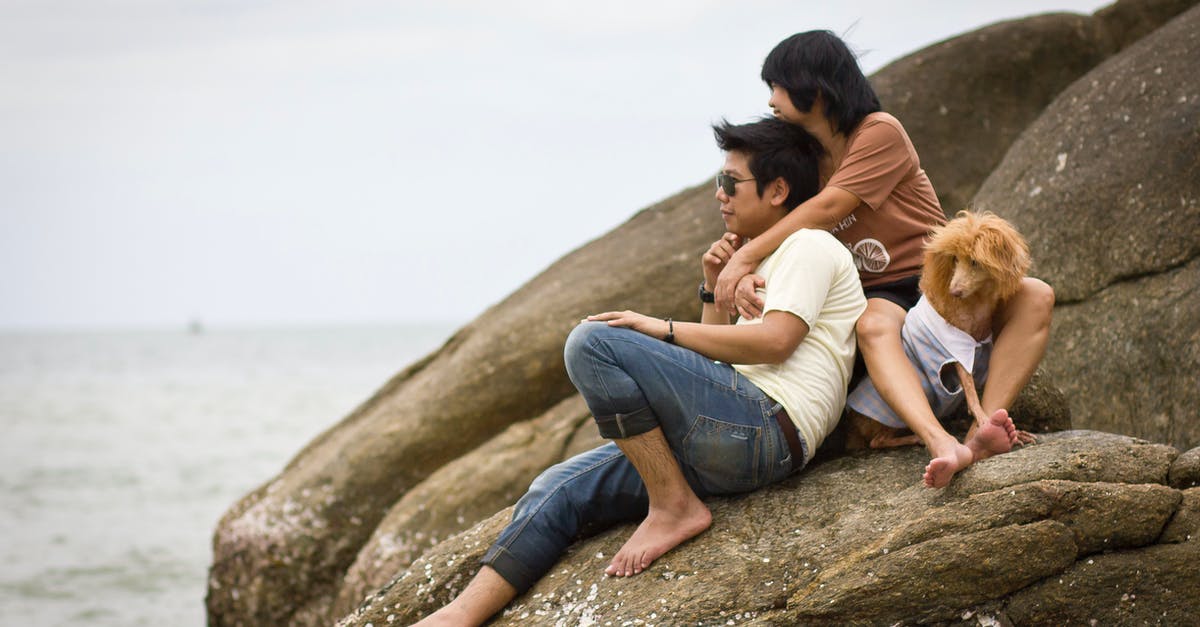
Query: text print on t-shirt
843, 224
870, 255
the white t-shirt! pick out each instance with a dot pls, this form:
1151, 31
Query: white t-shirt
811, 275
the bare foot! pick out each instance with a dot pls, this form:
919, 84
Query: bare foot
1025, 437
661, 531
446, 617
951, 459
994, 436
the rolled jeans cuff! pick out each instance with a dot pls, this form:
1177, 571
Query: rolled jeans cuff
511, 569
620, 426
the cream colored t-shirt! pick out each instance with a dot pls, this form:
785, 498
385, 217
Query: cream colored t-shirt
811, 275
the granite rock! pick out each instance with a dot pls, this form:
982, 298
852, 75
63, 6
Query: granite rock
1105, 185
858, 540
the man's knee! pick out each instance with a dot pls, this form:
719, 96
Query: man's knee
581, 342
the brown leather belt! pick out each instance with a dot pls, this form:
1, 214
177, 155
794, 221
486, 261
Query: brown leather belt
793, 438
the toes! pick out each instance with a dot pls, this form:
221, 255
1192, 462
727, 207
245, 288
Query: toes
631, 568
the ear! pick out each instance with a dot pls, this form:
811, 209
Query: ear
777, 192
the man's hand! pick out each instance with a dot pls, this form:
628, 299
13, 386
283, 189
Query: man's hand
717, 256
745, 297
633, 320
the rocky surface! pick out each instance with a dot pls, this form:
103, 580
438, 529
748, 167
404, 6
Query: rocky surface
460, 494
857, 540
1185, 472
456, 436
1105, 185
988, 85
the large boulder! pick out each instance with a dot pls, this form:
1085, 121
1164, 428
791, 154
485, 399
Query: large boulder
462, 493
1106, 187
965, 100
858, 540
1185, 472
284, 548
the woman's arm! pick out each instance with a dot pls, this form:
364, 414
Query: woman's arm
771, 342
822, 211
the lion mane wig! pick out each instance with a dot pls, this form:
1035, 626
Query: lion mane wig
981, 243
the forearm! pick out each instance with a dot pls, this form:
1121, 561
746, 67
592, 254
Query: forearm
822, 211
735, 344
709, 314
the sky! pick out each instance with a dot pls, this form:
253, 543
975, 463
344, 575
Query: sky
260, 163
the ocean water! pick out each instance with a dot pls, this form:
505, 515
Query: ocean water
119, 452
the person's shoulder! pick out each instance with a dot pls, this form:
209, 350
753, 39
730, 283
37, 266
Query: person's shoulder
804, 237
815, 242
882, 118
881, 130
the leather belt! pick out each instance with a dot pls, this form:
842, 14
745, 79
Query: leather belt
793, 438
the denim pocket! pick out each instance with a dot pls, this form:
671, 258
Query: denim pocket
724, 455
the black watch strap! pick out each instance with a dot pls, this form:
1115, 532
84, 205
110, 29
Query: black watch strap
706, 296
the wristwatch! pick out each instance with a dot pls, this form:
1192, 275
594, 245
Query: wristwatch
706, 296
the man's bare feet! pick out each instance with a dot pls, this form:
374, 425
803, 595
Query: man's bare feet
948, 459
448, 616
662, 530
994, 436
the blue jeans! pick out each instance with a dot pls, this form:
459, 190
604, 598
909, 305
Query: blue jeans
720, 427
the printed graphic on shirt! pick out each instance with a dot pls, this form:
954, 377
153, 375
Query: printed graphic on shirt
844, 224
870, 255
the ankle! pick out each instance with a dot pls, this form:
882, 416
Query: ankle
942, 445
677, 506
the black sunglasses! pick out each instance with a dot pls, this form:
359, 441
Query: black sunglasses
728, 184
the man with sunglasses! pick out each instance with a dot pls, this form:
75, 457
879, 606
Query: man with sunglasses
685, 424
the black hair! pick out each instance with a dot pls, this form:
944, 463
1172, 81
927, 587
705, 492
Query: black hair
819, 62
775, 149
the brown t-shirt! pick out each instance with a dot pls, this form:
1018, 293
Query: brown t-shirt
899, 207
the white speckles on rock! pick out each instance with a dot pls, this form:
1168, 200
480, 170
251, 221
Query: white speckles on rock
1062, 162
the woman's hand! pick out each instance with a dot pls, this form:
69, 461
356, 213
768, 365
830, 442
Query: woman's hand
745, 296
735, 268
717, 256
633, 320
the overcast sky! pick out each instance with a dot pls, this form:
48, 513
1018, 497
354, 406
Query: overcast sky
264, 162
